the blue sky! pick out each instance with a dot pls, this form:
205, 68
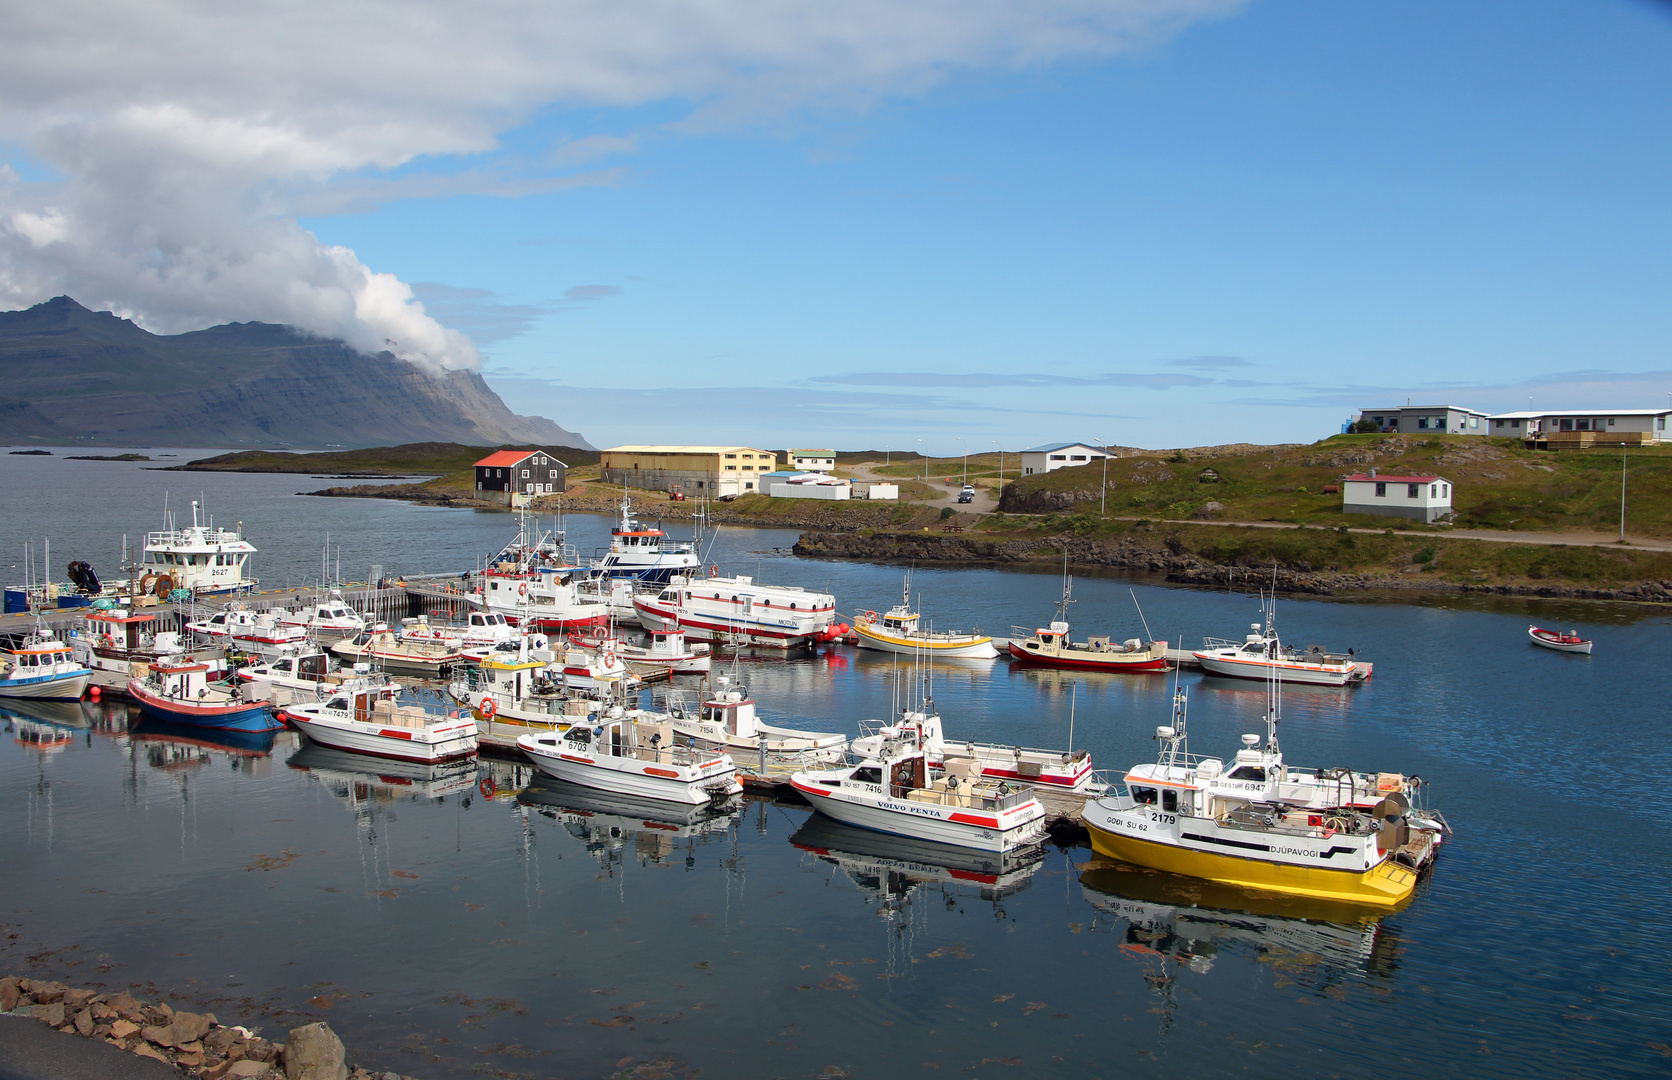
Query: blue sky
1268, 216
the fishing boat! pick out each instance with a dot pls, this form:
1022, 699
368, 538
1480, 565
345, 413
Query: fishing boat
598, 670
260, 633
183, 692
42, 668
899, 631
201, 559
1262, 654
1569, 642
532, 582
325, 620
1068, 770
644, 555
738, 611
1051, 646
891, 792
726, 718
379, 646
513, 696
1177, 816
665, 651
365, 718
622, 754
117, 644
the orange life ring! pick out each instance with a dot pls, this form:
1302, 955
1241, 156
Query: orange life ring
714, 571
608, 658
488, 708
487, 787
522, 589
870, 616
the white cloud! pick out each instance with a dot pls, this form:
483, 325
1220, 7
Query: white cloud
188, 132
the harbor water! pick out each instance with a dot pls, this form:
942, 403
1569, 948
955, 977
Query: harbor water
473, 922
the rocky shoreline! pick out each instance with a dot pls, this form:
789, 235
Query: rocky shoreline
196, 1044
1177, 567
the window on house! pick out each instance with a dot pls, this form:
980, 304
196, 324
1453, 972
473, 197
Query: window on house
1413, 491
1660, 423
525, 474
731, 456
1059, 457
1381, 490
1422, 421
731, 468
1433, 490
1077, 457
1474, 421
1445, 490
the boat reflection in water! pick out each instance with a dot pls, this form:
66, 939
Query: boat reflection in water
1186, 924
892, 868
606, 823
359, 780
172, 746
47, 736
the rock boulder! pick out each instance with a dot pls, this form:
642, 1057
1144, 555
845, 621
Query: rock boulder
313, 1052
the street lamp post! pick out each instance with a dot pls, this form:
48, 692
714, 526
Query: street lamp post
925, 461
995, 442
966, 447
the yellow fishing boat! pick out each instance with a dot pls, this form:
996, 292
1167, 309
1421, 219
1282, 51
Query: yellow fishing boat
899, 631
1261, 825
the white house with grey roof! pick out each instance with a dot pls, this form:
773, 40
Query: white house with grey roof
1634, 426
1053, 456
1427, 420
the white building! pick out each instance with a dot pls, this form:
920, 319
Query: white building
1635, 426
876, 491
1053, 456
807, 485
813, 460
1428, 420
1425, 498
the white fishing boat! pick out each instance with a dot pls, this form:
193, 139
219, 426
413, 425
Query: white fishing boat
726, 718
42, 668
738, 611
665, 651
620, 754
481, 630
365, 718
513, 696
1569, 642
202, 559
1262, 654
325, 620
532, 582
260, 633
900, 631
117, 644
642, 555
1177, 816
891, 792
597, 669
1062, 770
380, 647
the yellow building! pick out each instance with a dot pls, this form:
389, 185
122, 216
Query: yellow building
692, 470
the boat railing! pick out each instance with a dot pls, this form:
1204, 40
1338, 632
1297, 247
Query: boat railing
1221, 643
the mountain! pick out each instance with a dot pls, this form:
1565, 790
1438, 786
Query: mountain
79, 377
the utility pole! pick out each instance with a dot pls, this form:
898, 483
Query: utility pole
995, 442
966, 447
1622, 494
925, 462
1103, 495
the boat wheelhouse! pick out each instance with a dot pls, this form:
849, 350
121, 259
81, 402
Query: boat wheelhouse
737, 610
201, 559
1068, 770
1051, 646
261, 633
513, 696
326, 620
379, 646
726, 718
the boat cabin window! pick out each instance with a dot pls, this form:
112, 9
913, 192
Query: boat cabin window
869, 774
1169, 800
1247, 772
338, 703
1144, 796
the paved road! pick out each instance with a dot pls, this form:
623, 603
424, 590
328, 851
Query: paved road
985, 501
29, 1050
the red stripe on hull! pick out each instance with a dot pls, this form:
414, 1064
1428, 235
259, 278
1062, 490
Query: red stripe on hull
1086, 665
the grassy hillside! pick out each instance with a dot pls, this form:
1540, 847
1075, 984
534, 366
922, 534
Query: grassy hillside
1497, 484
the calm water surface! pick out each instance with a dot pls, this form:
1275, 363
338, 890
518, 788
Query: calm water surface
444, 932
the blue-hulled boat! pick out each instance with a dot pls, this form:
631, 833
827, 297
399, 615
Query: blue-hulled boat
181, 692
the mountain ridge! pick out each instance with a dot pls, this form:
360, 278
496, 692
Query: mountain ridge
75, 376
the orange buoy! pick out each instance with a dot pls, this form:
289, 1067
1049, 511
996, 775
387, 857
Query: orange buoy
93, 693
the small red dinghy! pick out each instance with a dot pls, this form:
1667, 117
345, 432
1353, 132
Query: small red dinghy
1555, 639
